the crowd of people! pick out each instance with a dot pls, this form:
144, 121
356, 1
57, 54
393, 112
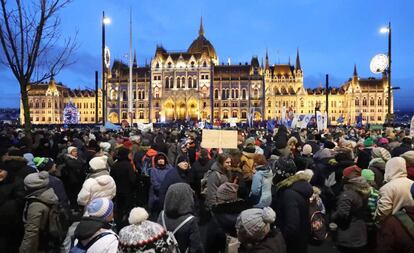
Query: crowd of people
88, 190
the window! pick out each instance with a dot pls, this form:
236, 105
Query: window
167, 83
357, 101
234, 114
225, 115
178, 82
157, 104
124, 115
244, 94
216, 94
256, 93
223, 94
143, 94
135, 94
379, 118
190, 82
204, 64
169, 65
379, 102
124, 95
227, 94
364, 102
232, 93
158, 65
192, 64
49, 104
371, 102
141, 114
269, 103
237, 93
204, 104
244, 115
386, 101
302, 103
43, 104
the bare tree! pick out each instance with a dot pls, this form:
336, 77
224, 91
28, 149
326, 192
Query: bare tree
29, 36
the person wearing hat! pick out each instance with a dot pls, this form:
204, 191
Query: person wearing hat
256, 234
142, 235
125, 177
406, 145
350, 211
395, 193
290, 199
38, 198
94, 229
48, 164
379, 157
181, 174
364, 153
409, 160
11, 206
73, 175
178, 207
260, 193
99, 184
217, 176
246, 159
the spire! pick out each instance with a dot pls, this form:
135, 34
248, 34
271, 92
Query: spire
267, 60
355, 70
135, 59
289, 60
297, 67
201, 31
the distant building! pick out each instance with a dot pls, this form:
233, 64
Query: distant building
193, 85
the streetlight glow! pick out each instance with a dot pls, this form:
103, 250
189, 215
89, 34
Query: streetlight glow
384, 30
106, 20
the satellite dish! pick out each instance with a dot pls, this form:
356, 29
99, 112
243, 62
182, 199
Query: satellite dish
379, 63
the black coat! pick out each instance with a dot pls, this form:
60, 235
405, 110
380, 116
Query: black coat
364, 157
124, 177
175, 176
401, 150
272, 243
226, 215
292, 207
18, 165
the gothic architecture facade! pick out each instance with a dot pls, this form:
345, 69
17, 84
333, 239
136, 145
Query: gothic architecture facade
194, 85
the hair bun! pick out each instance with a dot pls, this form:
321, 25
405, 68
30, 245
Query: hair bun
269, 216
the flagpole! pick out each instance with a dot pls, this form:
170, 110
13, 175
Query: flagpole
130, 112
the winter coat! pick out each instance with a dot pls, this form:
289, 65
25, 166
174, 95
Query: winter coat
364, 157
90, 227
176, 210
73, 173
98, 185
216, 177
59, 189
247, 165
36, 220
226, 215
174, 176
18, 165
350, 213
261, 192
272, 243
157, 177
200, 167
124, 176
401, 150
290, 200
395, 194
393, 236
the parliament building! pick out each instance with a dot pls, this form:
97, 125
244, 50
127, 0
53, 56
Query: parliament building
194, 85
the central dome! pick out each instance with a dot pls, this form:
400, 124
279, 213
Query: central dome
202, 45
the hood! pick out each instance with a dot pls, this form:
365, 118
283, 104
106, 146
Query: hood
395, 168
88, 226
159, 154
15, 162
265, 171
359, 185
288, 182
105, 180
303, 188
377, 163
409, 158
48, 196
217, 167
179, 200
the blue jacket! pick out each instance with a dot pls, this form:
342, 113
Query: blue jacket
261, 192
157, 177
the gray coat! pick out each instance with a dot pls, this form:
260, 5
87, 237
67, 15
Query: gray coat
36, 219
216, 177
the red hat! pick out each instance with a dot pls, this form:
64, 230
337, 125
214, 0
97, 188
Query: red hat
127, 144
352, 171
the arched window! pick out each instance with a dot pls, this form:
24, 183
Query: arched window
194, 83
216, 94
302, 103
190, 82
37, 104
232, 93
364, 101
167, 83
204, 64
143, 94
158, 65
124, 95
171, 82
371, 102
244, 94
386, 101
357, 101
237, 93
169, 64
135, 94
49, 104
223, 94
227, 93
178, 82
183, 82
379, 101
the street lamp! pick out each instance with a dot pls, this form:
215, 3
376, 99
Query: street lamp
385, 30
105, 21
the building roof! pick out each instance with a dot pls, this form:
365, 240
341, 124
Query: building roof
202, 45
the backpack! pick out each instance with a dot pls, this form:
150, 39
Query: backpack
148, 163
58, 222
318, 225
79, 248
174, 247
203, 182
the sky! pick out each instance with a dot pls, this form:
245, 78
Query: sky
331, 36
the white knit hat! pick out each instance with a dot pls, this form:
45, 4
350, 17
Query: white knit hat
137, 215
98, 163
100, 207
70, 149
307, 149
105, 146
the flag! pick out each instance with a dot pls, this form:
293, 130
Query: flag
201, 125
294, 121
325, 120
306, 120
270, 125
283, 120
319, 120
359, 120
146, 127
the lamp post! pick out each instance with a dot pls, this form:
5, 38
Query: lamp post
388, 70
105, 21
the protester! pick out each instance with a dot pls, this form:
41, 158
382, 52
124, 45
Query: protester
261, 193
216, 177
73, 175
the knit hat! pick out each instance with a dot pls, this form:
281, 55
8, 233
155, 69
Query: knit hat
382, 153
227, 192
35, 181
283, 169
251, 149
135, 138
352, 171
368, 174
29, 157
181, 159
368, 142
307, 149
329, 145
383, 141
250, 141
142, 235
105, 146
254, 224
70, 149
409, 158
98, 163
100, 207
43, 163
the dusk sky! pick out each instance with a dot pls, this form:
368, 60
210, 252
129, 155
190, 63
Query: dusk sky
332, 36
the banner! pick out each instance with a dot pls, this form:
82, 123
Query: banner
306, 120
232, 122
219, 139
412, 127
146, 127
319, 121
111, 126
294, 121
283, 120
201, 124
